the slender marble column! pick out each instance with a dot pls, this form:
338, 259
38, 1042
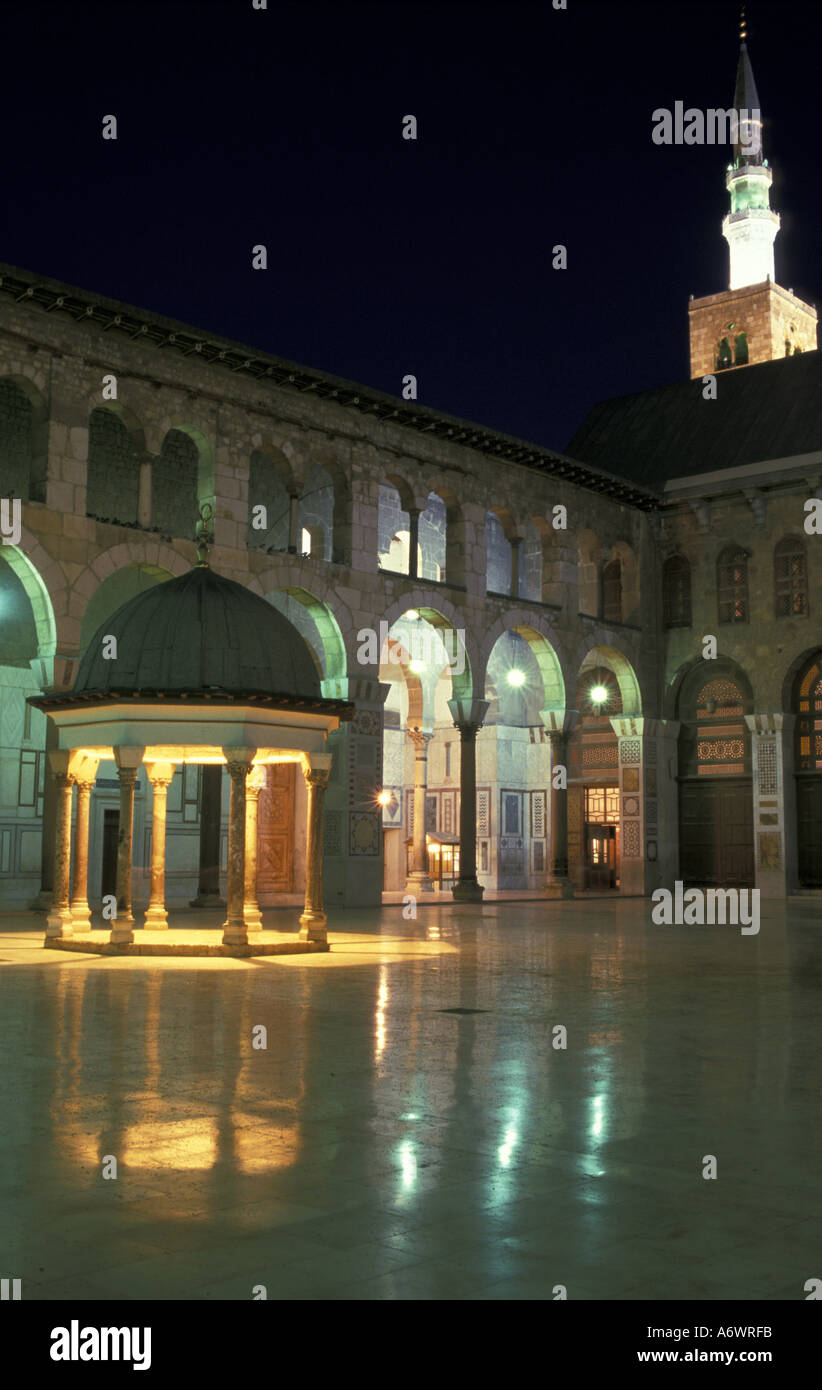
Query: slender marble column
122, 929
235, 932
160, 776
313, 919
413, 541
516, 566
559, 724
80, 910
293, 524
468, 716
251, 905
59, 922
418, 881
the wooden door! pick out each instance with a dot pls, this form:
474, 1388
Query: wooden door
809, 830
275, 831
600, 856
716, 833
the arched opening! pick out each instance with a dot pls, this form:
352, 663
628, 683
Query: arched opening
716, 838
23, 441
175, 485
732, 584
316, 512
807, 706
22, 785
790, 578
612, 591
433, 538
497, 556
269, 501
113, 476
523, 677
594, 831
676, 592
588, 573
394, 506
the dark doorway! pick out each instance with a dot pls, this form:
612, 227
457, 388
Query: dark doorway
716, 833
111, 834
600, 856
809, 837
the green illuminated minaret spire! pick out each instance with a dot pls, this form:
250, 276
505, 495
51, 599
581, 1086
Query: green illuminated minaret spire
750, 227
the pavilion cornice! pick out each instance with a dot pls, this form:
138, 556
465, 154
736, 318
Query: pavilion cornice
343, 709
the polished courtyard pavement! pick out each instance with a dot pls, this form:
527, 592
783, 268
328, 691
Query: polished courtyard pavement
410, 1131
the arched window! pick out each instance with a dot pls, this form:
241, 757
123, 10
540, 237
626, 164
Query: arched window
676, 592
612, 592
741, 349
174, 478
732, 585
724, 356
714, 741
16, 441
113, 477
790, 578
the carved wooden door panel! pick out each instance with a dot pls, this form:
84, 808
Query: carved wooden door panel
275, 831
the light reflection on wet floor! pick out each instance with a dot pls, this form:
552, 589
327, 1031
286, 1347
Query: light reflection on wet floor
382, 1148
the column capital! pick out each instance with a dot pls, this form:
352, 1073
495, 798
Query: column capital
239, 760
160, 774
776, 723
468, 716
419, 737
559, 721
316, 776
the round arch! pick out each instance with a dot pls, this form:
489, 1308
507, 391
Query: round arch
545, 655
616, 661
445, 619
28, 565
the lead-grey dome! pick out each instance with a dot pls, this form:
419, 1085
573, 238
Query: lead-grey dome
200, 632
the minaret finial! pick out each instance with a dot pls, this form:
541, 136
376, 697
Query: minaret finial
204, 534
743, 28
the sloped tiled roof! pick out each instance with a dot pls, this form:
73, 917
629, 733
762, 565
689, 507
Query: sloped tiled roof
769, 411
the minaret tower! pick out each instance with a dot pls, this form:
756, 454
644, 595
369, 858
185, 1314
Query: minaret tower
750, 227
754, 320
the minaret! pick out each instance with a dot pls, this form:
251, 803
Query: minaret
750, 227
754, 320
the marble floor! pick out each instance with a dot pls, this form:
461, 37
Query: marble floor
410, 1131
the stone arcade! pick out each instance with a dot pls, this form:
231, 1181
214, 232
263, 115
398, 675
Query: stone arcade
580, 742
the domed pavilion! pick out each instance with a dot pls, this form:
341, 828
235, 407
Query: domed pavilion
195, 670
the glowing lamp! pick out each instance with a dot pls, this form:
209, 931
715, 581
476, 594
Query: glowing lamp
598, 695
516, 677
383, 798
417, 667
412, 615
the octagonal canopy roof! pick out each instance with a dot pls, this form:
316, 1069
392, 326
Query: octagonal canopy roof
200, 633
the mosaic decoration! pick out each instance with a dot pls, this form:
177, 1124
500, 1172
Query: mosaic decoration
767, 767
367, 721
650, 781
651, 815
364, 833
600, 755
630, 779
630, 839
769, 851
630, 806
332, 834
630, 750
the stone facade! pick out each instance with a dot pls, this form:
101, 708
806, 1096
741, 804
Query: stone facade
772, 321
538, 575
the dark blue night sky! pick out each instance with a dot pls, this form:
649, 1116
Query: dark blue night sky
389, 257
